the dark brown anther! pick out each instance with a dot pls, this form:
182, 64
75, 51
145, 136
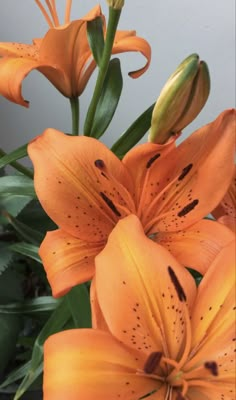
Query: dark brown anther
99, 164
152, 159
178, 287
189, 207
152, 362
185, 172
110, 204
212, 366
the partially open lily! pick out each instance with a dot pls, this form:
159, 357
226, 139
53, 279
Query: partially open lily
86, 190
165, 338
225, 212
63, 55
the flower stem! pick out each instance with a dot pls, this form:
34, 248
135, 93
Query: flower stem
74, 104
114, 16
19, 167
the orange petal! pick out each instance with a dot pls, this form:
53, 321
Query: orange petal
139, 161
213, 317
67, 47
80, 183
67, 260
219, 390
12, 73
128, 41
139, 287
98, 321
90, 364
179, 186
26, 51
197, 246
225, 212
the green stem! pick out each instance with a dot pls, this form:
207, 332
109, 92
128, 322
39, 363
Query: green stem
19, 167
74, 104
114, 16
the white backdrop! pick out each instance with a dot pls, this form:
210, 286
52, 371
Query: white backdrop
174, 29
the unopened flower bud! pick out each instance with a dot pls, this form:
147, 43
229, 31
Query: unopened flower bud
181, 100
116, 4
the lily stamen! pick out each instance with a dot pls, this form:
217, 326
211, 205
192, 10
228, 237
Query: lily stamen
68, 11
45, 14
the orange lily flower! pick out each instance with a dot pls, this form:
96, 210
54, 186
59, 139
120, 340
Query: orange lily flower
86, 189
165, 338
225, 212
63, 55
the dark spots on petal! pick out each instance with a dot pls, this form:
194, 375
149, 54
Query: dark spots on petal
99, 164
189, 207
212, 367
152, 362
152, 159
102, 173
110, 204
176, 283
185, 172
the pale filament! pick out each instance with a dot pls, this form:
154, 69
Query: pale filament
51, 17
44, 12
68, 11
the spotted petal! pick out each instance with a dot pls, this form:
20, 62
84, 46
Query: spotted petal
80, 182
197, 246
213, 318
179, 186
139, 287
91, 364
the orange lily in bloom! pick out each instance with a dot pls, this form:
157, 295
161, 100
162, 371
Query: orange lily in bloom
225, 212
86, 189
165, 338
63, 55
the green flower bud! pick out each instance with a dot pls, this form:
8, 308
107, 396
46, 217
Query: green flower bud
116, 4
181, 100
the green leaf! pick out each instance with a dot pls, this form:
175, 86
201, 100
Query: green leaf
26, 249
15, 375
26, 232
10, 325
133, 134
13, 204
108, 100
79, 305
96, 38
34, 306
21, 152
5, 258
55, 324
18, 185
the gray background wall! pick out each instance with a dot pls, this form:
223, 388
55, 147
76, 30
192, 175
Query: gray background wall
174, 29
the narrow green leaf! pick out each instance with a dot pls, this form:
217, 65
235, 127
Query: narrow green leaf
6, 257
26, 232
40, 304
96, 38
13, 204
21, 152
26, 249
15, 375
10, 325
55, 324
79, 305
108, 100
17, 184
133, 134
